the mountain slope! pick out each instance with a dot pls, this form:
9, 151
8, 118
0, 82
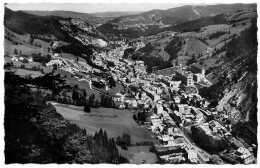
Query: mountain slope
236, 92
152, 20
65, 14
115, 14
23, 23
65, 29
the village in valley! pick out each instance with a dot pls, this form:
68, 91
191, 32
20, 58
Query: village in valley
170, 100
183, 126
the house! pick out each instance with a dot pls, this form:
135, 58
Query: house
177, 100
197, 68
191, 155
156, 97
15, 59
185, 77
167, 140
205, 128
245, 155
52, 62
214, 126
170, 130
159, 108
120, 105
197, 77
134, 104
235, 143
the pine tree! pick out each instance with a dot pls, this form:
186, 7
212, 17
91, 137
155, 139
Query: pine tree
134, 117
15, 51
87, 108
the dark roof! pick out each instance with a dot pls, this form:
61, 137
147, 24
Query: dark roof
211, 78
197, 66
183, 73
167, 71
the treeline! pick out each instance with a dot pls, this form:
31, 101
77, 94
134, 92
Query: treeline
140, 117
80, 50
153, 63
245, 44
194, 25
208, 142
41, 59
124, 141
173, 47
217, 34
36, 133
102, 140
241, 50
24, 23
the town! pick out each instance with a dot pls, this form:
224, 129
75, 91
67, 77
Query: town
171, 101
163, 81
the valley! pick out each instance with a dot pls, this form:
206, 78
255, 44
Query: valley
163, 86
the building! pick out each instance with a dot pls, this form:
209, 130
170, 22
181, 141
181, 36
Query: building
159, 109
185, 77
175, 84
198, 69
245, 155
192, 155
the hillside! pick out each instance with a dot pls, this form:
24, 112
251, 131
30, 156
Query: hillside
90, 18
115, 14
239, 83
65, 29
154, 20
36, 133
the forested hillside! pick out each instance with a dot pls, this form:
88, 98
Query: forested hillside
36, 133
235, 93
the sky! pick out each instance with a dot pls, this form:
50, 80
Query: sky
91, 7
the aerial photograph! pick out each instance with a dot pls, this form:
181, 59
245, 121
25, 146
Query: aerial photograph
118, 83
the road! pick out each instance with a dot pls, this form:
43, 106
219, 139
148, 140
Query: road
197, 149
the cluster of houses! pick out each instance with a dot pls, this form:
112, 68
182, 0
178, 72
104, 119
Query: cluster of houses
149, 92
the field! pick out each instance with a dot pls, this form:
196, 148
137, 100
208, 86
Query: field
43, 44
193, 46
28, 65
136, 155
25, 48
72, 57
114, 121
25, 72
113, 90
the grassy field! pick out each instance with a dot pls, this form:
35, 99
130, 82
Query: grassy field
72, 57
136, 155
25, 72
28, 65
113, 90
43, 44
193, 46
25, 48
115, 122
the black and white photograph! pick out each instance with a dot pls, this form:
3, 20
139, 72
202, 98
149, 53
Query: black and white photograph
128, 82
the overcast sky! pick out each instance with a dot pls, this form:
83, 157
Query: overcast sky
91, 7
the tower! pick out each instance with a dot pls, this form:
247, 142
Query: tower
203, 71
190, 79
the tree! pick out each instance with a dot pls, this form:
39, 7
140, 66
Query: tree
134, 117
15, 51
24, 61
55, 67
87, 107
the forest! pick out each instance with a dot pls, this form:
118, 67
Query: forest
36, 133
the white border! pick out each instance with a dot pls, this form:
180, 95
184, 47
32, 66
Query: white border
102, 1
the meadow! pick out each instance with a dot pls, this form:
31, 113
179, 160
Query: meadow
114, 121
